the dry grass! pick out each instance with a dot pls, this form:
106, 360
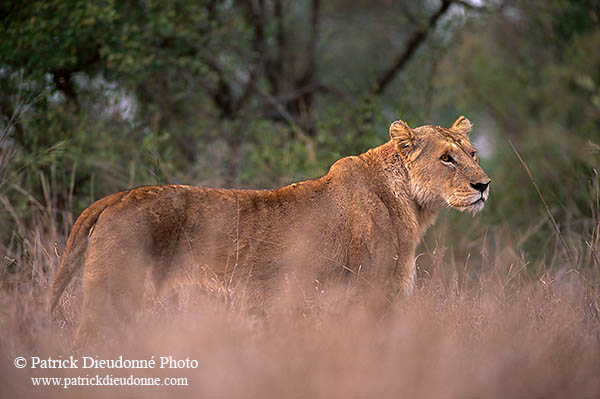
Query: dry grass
486, 325
485, 321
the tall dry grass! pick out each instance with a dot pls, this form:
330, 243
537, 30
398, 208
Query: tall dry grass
484, 322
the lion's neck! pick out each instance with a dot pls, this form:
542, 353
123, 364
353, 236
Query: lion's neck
396, 185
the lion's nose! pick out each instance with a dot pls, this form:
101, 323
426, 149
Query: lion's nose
480, 186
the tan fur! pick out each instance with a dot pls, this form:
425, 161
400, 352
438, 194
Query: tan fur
360, 222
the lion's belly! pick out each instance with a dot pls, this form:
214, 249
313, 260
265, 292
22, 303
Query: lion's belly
260, 258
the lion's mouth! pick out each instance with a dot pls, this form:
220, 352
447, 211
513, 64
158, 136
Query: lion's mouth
482, 198
472, 203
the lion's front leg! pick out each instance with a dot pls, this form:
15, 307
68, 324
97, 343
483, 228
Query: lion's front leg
403, 281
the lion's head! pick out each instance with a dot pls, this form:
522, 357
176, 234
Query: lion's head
442, 165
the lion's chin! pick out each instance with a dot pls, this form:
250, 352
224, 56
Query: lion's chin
473, 208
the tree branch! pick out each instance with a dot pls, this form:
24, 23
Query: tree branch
412, 45
302, 104
311, 48
222, 95
278, 66
258, 18
62, 81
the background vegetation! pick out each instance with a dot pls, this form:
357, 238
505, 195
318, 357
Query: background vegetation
96, 97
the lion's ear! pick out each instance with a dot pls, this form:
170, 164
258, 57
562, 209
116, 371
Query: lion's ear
402, 133
462, 126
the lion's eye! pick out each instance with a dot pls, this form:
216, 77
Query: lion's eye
473, 154
446, 158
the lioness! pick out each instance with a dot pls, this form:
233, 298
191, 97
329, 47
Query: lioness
361, 222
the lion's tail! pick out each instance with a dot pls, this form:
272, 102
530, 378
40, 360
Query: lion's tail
73, 256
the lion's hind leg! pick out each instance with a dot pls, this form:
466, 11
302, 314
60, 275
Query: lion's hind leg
95, 309
114, 287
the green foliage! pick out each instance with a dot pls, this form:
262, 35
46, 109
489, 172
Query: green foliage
40, 36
